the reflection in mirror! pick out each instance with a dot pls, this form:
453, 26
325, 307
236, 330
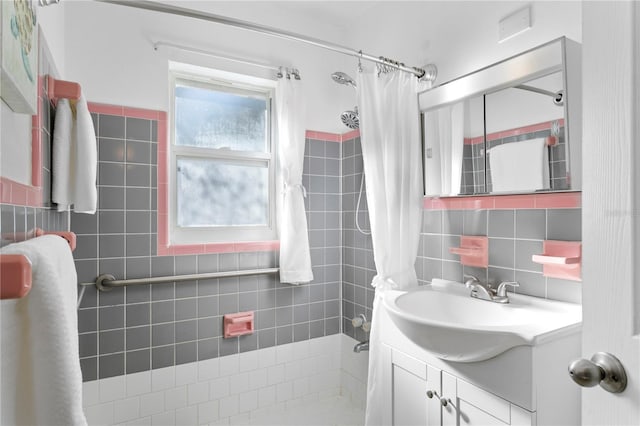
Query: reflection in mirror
449, 168
525, 138
519, 117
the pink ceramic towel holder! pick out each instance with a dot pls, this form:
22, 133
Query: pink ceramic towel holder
473, 251
561, 259
238, 324
58, 89
15, 269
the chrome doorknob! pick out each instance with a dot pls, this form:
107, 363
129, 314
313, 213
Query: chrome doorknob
603, 369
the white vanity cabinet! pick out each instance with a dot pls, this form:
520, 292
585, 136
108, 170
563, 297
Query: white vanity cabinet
524, 384
421, 394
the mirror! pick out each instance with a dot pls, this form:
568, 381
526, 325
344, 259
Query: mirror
505, 129
452, 164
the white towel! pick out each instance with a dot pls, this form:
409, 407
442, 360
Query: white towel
41, 381
86, 192
520, 166
75, 159
61, 192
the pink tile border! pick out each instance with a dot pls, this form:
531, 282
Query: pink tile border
332, 137
19, 194
105, 109
351, 135
124, 111
546, 125
323, 136
557, 200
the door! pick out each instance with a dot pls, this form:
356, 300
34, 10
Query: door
611, 203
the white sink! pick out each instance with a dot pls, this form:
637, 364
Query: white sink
443, 319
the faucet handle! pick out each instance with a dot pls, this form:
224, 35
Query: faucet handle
502, 288
470, 279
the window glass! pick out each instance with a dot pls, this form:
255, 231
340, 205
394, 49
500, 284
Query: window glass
216, 118
217, 193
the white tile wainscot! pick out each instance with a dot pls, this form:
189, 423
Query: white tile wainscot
235, 389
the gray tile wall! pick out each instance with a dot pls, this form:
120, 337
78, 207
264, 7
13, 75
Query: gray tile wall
16, 220
358, 267
514, 235
139, 328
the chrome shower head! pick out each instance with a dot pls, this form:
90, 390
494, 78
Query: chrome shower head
351, 119
342, 78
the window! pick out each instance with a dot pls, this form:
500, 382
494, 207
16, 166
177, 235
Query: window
222, 160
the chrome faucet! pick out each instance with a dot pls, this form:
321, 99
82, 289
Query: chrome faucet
486, 292
362, 346
479, 290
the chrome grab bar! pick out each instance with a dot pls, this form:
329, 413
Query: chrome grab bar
106, 282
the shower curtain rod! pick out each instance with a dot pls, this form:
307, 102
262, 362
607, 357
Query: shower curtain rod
429, 74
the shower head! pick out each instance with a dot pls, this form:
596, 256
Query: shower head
351, 119
342, 78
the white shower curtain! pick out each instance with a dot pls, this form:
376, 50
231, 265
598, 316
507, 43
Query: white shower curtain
444, 137
295, 259
391, 150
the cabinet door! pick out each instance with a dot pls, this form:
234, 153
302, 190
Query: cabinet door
474, 406
409, 400
411, 380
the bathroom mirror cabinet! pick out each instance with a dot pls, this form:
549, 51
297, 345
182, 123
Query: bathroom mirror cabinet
510, 128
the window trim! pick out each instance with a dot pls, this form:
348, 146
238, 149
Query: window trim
223, 236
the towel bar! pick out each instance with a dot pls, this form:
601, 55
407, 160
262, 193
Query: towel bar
15, 269
58, 89
107, 282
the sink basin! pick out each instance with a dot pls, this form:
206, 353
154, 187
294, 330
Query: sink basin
443, 319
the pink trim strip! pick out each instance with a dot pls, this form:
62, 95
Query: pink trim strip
332, 137
556, 200
474, 141
105, 109
124, 111
351, 135
19, 194
232, 247
513, 132
323, 136
36, 137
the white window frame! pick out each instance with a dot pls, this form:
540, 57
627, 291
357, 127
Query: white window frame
214, 79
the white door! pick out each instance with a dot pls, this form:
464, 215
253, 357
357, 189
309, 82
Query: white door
611, 202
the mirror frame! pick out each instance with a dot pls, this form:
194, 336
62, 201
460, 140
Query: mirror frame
560, 54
